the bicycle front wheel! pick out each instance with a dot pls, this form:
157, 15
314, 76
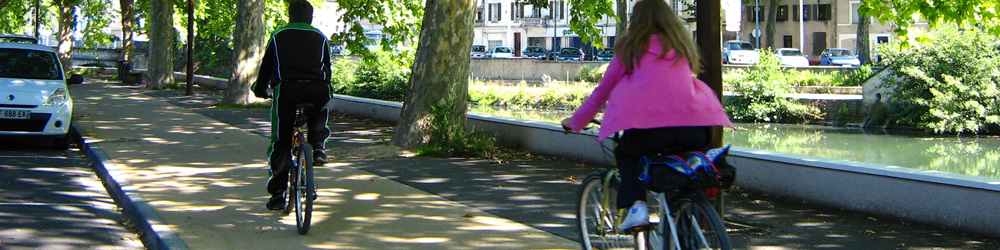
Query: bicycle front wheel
597, 217
305, 190
699, 226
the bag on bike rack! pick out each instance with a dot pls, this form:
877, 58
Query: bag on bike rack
703, 170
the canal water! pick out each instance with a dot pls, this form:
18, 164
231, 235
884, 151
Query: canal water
970, 155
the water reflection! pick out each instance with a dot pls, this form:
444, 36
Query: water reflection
971, 155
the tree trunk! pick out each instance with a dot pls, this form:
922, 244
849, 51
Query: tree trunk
247, 50
4, 3
622, 7
67, 21
161, 43
128, 31
440, 75
864, 45
772, 16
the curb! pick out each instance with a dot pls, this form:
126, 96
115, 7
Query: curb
153, 231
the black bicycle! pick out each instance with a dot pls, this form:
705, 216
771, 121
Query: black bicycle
681, 218
301, 188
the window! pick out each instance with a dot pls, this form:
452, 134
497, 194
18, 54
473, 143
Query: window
782, 13
494, 43
854, 13
882, 39
823, 12
494, 12
556, 10
807, 13
516, 11
752, 13
787, 41
795, 12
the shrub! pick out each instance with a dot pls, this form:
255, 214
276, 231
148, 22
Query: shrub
854, 78
759, 95
385, 76
593, 74
949, 83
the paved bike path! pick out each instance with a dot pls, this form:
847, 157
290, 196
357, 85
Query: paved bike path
200, 184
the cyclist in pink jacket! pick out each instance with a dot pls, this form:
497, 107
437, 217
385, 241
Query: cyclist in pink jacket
650, 92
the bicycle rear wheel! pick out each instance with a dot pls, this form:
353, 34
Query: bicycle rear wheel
699, 226
597, 217
304, 188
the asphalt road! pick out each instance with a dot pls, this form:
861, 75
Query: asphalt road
51, 199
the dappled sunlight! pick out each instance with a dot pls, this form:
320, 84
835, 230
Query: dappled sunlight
159, 141
367, 196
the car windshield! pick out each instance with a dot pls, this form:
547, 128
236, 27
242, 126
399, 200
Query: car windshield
791, 53
570, 52
841, 52
478, 49
605, 52
502, 50
29, 64
740, 46
534, 49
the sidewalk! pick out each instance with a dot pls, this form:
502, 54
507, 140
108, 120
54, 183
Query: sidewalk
203, 183
199, 173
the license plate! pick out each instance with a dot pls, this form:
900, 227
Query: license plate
15, 114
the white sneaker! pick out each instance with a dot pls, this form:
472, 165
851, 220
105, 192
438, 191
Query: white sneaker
638, 215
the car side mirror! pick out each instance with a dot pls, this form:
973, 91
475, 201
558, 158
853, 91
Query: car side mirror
75, 79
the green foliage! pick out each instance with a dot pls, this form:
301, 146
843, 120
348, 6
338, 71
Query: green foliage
760, 95
949, 85
854, 78
400, 21
593, 74
14, 17
550, 96
450, 138
385, 77
585, 16
95, 12
903, 13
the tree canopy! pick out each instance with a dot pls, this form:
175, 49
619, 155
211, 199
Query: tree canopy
904, 13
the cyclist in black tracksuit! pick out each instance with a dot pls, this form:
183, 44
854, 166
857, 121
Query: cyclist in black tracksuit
296, 66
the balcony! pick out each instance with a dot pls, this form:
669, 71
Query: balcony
529, 22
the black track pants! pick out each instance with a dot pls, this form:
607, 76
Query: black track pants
638, 142
287, 95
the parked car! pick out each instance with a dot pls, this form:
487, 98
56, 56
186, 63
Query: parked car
839, 56
792, 57
339, 50
604, 55
551, 55
534, 52
741, 52
570, 54
36, 100
18, 39
501, 52
478, 51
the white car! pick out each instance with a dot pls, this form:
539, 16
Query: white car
502, 52
34, 97
740, 52
792, 57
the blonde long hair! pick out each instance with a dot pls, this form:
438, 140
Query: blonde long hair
655, 17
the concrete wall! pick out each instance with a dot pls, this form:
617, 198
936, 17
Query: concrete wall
959, 201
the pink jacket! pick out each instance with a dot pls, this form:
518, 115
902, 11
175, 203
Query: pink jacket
658, 93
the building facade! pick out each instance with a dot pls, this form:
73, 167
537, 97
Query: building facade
822, 24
